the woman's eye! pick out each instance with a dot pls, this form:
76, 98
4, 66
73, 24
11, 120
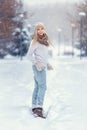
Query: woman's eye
42, 29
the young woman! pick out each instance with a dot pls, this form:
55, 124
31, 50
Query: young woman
38, 54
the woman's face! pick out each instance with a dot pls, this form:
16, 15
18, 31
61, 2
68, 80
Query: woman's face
40, 31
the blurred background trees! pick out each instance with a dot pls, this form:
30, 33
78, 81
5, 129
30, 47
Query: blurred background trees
12, 16
15, 33
79, 24
82, 9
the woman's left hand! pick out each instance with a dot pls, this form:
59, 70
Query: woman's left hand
49, 67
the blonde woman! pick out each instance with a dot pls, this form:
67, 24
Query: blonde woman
38, 54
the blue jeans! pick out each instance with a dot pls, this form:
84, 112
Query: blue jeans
40, 87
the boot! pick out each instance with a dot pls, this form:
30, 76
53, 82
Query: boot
34, 110
39, 112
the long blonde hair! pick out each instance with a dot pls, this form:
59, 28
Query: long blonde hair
37, 26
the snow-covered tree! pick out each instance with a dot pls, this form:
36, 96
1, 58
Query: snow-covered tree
78, 18
7, 13
82, 7
11, 12
21, 42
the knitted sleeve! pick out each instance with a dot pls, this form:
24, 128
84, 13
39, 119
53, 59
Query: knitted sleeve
31, 52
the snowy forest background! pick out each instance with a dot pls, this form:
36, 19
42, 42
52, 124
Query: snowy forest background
62, 20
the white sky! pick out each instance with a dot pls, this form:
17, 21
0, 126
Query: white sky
47, 1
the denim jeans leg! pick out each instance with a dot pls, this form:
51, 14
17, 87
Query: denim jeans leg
41, 86
35, 92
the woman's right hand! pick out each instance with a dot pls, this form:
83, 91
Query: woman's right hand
39, 66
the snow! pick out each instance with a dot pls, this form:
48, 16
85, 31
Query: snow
66, 94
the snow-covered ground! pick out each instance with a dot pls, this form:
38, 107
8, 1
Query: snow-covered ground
66, 94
